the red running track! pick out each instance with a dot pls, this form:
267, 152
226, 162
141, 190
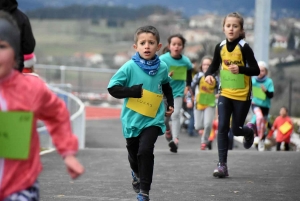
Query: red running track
94, 113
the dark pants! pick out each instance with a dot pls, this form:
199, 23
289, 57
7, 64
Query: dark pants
230, 140
286, 146
140, 155
191, 128
238, 110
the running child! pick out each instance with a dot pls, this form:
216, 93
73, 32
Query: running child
263, 91
24, 100
284, 126
205, 97
142, 81
238, 64
180, 69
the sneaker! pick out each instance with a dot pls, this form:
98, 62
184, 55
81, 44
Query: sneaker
221, 171
248, 141
168, 135
173, 146
209, 145
135, 182
261, 145
142, 197
203, 146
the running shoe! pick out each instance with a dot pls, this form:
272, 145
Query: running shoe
248, 140
142, 197
221, 171
173, 144
135, 182
203, 146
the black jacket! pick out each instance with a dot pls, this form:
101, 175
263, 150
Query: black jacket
27, 38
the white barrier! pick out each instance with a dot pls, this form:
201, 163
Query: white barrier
77, 113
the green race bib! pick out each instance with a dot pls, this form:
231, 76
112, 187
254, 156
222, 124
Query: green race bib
15, 134
231, 81
207, 99
258, 93
179, 72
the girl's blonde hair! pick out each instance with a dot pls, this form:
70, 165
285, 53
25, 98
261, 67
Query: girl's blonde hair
203, 58
241, 19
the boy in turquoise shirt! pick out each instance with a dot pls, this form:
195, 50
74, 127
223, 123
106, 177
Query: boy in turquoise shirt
142, 81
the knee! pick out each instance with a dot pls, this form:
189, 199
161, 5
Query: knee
222, 128
175, 115
146, 151
197, 126
259, 119
207, 126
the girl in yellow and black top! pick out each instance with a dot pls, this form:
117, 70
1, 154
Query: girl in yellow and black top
205, 97
238, 64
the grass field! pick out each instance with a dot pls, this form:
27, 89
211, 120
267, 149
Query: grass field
66, 37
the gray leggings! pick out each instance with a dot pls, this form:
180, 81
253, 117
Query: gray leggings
175, 118
203, 120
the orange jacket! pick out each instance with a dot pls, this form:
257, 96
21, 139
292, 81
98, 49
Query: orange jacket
20, 92
281, 137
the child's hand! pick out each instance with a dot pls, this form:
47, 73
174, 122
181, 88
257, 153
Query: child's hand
226, 62
263, 87
74, 168
209, 79
171, 73
233, 68
137, 91
169, 111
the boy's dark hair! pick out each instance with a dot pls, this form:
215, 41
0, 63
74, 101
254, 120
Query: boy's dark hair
240, 17
146, 29
177, 36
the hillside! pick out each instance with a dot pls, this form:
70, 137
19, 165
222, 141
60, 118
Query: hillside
280, 8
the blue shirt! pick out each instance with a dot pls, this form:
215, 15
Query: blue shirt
184, 62
131, 74
268, 83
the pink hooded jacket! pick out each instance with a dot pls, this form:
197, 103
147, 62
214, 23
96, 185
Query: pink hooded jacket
29, 93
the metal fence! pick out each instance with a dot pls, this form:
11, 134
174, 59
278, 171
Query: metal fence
82, 79
77, 112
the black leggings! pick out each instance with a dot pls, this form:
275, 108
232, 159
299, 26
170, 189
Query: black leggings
286, 146
238, 110
140, 155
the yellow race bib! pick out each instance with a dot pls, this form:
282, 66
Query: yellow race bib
284, 128
147, 105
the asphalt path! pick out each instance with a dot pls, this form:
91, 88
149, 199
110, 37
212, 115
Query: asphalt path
185, 176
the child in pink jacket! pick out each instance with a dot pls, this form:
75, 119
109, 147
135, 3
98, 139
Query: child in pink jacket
28, 94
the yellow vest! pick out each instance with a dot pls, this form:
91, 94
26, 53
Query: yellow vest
204, 87
235, 57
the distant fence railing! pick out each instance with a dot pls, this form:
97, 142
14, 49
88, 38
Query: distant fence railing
77, 116
82, 79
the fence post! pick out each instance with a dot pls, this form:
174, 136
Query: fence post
62, 74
